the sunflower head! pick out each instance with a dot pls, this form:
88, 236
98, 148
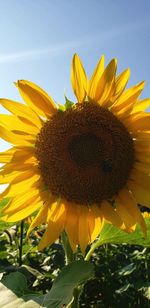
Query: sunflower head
80, 165
88, 145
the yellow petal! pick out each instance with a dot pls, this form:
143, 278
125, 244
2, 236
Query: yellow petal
142, 136
141, 195
23, 112
21, 167
17, 159
52, 233
142, 123
128, 98
144, 158
71, 224
55, 227
141, 178
129, 203
41, 217
129, 117
105, 85
124, 112
94, 81
78, 79
23, 212
6, 156
23, 154
7, 178
110, 214
142, 167
141, 105
22, 200
120, 83
73, 246
125, 214
142, 148
20, 185
142, 142
95, 222
36, 98
56, 209
16, 139
84, 237
13, 124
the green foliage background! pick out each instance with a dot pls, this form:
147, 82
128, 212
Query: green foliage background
118, 274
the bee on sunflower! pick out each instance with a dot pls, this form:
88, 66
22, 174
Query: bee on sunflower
78, 166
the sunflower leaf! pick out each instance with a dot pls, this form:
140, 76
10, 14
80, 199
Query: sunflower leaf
14, 292
114, 235
72, 275
16, 282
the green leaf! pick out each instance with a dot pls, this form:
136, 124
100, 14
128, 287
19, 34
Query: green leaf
71, 275
16, 282
114, 235
14, 292
8, 299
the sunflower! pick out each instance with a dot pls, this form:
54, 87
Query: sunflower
81, 164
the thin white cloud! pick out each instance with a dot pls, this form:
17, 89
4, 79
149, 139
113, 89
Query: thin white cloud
57, 49
33, 54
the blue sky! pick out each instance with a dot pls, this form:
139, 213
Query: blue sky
39, 37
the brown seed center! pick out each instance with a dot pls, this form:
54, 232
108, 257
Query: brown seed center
85, 150
85, 154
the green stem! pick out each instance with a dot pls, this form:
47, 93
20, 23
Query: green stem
76, 295
21, 243
69, 256
90, 252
